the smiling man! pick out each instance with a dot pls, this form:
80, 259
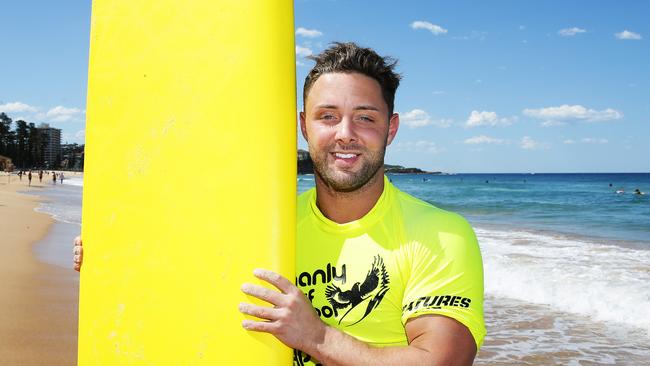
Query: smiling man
383, 278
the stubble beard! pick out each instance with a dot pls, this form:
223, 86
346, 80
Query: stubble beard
347, 181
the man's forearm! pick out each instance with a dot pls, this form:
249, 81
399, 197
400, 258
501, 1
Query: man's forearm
340, 349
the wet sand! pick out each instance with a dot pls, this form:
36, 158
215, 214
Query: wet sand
521, 333
38, 301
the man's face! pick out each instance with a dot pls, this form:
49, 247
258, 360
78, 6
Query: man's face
347, 127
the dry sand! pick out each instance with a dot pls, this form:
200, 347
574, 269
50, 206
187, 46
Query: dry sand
38, 301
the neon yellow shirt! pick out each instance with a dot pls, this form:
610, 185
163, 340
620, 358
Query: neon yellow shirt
403, 259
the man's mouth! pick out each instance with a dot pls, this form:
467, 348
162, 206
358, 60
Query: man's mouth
345, 158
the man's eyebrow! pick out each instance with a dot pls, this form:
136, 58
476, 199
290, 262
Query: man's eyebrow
357, 108
326, 106
366, 108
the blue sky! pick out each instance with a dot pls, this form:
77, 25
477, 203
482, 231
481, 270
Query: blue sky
501, 86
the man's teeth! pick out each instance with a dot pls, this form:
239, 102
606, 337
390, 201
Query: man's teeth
345, 156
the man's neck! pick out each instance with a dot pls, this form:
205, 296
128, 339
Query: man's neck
343, 207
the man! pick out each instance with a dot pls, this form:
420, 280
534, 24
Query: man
383, 278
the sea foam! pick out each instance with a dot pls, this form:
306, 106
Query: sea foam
575, 275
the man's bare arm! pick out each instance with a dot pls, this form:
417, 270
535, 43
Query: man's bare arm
433, 339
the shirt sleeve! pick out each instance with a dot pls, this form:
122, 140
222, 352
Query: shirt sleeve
446, 275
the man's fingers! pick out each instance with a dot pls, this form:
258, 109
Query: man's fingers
77, 250
275, 279
262, 293
261, 312
268, 327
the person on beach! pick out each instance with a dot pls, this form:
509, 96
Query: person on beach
383, 278
61, 177
20, 175
29, 178
54, 178
40, 176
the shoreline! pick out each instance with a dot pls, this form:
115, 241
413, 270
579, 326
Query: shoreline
38, 324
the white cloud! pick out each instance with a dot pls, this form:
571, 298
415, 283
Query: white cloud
590, 140
487, 118
80, 135
554, 116
626, 34
17, 107
309, 33
522, 27
303, 51
482, 139
586, 140
569, 32
419, 118
443, 122
528, 143
435, 29
62, 114
550, 123
418, 146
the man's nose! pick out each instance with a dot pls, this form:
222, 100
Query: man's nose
345, 131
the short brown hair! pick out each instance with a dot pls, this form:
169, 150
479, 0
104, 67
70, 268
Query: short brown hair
348, 58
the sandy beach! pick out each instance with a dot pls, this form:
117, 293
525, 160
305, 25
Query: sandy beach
38, 301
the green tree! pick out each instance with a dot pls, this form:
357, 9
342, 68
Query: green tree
35, 146
22, 143
6, 135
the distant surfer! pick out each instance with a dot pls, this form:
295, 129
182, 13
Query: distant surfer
638, 192
620, 191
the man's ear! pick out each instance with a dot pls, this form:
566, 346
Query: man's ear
393, 126
303, 126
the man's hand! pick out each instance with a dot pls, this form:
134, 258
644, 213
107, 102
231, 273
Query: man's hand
78, 252
292, 319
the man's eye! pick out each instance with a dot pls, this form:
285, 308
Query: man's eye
366, 118
328, 116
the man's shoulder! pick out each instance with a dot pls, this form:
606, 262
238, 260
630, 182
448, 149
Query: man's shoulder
418, 212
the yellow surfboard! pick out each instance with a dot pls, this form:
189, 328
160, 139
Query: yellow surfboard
190, 178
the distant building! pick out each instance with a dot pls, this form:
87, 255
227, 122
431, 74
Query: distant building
51, 138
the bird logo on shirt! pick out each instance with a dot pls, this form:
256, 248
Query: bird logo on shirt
374, 287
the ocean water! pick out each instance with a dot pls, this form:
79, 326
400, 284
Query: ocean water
63, 203
566, 259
